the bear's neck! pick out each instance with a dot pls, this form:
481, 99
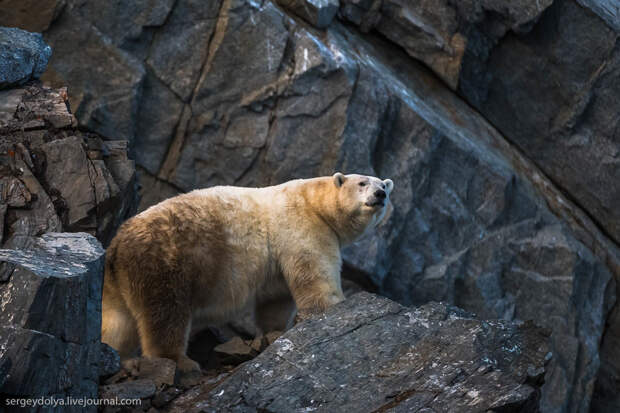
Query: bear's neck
321, 197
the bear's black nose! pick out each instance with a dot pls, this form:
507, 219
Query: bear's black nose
380, 193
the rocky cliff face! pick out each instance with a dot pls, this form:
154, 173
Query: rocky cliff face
497, 120
55, 177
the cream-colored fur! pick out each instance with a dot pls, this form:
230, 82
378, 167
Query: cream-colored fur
199, 258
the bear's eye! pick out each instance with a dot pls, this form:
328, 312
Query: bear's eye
362, 183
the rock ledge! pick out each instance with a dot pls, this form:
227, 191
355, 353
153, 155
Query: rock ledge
371, 354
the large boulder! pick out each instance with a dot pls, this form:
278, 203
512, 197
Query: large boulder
370, 354
23, 56
50, 324
54, 176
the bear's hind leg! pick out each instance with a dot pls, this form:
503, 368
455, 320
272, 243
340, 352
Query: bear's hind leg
118, 327
165, 333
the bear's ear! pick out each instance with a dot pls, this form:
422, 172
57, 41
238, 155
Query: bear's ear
389, 185
339, 179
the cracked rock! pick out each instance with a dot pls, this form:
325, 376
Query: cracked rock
371, 354
85, 59
51, 318
55, 177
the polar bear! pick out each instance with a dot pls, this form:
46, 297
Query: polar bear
200, 257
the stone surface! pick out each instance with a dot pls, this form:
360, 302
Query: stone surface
318, 13
371, 354
23, 56
160, 370
608, 10
56, 177
109, 361
154, 382
569, 108
438, 33
236, 351
191, 22
105, 82
31, 15
137, 389
51, 317
128, 25
156, 123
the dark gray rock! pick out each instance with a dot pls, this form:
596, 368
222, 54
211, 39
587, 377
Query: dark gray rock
105, 82
51, 318
137, 389
128, 25
191, 22
109, 361
235, 351
224, 137
23, 56
23, 225
569, 108
318, 13
371, 354
471, 229
565, 118
157, 123
439, 32
9, 99
608, 10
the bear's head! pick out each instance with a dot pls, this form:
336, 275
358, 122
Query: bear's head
363, 199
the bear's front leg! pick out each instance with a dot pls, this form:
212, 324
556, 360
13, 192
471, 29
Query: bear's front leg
314, 282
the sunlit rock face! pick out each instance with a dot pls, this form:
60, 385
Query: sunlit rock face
369, 354
497, 122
